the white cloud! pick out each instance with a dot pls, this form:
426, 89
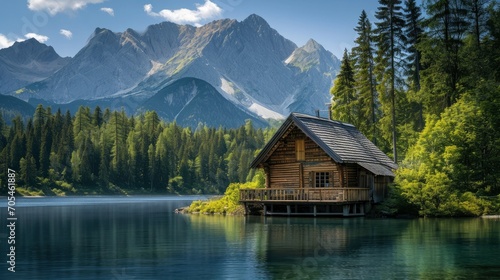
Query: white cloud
38, 37
5, 42
57, 6
109, 11
207, 11
66, 33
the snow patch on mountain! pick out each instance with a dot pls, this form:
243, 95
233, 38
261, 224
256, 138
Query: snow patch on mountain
227, 86
265, 112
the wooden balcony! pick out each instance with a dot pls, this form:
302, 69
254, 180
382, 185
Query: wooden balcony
331, 195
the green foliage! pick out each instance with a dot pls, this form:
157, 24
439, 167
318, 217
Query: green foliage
344, 93
103, 153
228, 203
436, 102
447, 169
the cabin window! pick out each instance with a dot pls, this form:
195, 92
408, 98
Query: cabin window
322, 179
300, 150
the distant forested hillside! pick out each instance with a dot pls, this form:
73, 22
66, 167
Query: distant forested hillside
98, 151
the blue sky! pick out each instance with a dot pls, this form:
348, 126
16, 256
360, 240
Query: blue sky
66, 25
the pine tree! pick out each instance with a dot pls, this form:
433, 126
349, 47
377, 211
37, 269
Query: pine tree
344, 92
67, 147
413, 33
82, 125
45, 149
478, 17
389, 39
118, 134
97, 117
28, 171
447, 26
153, 168
365, 83
105, 151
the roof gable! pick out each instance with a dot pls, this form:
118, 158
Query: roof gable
341, 141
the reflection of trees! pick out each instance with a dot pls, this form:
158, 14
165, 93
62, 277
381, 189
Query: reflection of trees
450, 248
232, 228
326, 248
151, 239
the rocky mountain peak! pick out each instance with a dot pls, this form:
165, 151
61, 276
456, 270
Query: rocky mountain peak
312, 46
29, 50
27, 62
256, 20
312, 54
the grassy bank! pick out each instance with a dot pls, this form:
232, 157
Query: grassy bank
228, 204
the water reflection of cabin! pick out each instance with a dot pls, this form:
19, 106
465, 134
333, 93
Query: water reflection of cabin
316, 166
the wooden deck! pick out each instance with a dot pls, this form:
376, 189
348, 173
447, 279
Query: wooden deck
312, 195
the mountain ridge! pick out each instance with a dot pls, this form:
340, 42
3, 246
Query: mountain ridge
27, 62
248, 62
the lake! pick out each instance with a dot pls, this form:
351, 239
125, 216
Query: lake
142, 238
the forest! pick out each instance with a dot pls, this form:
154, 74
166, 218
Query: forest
423, 83
96, 152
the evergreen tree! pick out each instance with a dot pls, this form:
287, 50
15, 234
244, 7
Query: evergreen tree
3, 139
344, 92
28, 171
440, 48
45, 148
413, 32
104, 160
365, 82
81, 125
67, 146
119, 131
97, 117
389, 40
476, 11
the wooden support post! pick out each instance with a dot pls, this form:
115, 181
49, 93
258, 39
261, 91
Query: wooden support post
314, 207
346, 210
288, 210
265, 210
362, 208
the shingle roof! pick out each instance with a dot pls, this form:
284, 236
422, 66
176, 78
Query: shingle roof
341, 141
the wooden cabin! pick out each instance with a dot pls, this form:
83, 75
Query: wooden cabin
316, 166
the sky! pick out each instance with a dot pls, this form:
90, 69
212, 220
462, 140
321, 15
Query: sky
68, 24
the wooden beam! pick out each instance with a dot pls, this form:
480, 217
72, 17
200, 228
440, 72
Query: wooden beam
342, 181
301, 175
267, 171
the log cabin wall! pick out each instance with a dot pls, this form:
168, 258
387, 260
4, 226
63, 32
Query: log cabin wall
285, 171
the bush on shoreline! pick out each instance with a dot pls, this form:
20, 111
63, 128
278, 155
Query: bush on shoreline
228, 204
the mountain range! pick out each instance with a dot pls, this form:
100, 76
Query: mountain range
224, 70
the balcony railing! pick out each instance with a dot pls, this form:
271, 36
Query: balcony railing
305, 195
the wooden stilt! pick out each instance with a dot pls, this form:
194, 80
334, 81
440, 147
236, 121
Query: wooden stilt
346, 210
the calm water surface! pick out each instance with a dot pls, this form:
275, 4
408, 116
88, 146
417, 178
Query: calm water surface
142, 238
